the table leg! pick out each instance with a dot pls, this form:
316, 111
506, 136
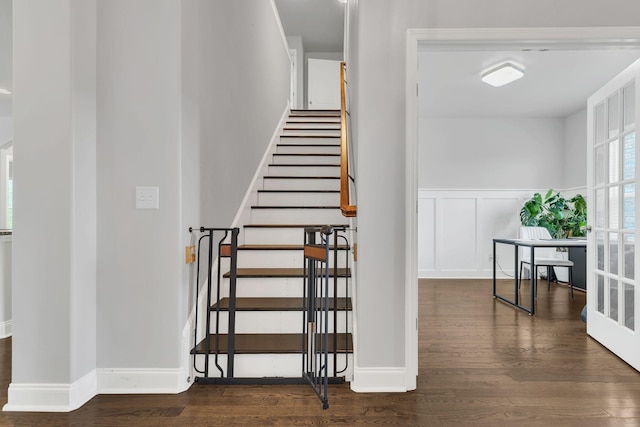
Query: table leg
534, 281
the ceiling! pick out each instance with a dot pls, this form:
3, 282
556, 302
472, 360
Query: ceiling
556, 83
320, 23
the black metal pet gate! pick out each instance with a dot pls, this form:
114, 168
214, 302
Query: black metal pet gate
315, 343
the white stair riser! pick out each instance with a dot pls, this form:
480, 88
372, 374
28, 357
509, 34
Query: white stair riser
273, 322
271, 365
298, 199
276, 236
305, 160
296, 216
301, 184
278, 258
315, 124
306, 132
329, 170
303, 141
277, 287
307, 149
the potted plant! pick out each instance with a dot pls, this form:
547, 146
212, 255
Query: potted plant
563, 218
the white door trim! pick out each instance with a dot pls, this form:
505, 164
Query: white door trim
449, 39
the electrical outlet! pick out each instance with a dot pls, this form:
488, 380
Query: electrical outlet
189, 254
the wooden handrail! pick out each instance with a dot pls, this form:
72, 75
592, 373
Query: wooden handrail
347, 209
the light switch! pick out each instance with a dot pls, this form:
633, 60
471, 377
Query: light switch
147, 198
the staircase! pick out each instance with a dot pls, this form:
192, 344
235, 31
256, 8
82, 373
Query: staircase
301, 188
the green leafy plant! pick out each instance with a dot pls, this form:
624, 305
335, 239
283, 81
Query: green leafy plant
563, 218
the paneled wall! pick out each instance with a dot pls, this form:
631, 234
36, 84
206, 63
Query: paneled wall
456, 228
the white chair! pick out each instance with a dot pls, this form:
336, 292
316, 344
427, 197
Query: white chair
543, 257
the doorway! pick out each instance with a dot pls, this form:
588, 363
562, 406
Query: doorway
496, 39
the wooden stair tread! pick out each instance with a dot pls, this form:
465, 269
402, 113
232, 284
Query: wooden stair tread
310, 136
280, 247
312, 165
336, 121
306, 155
282, 272
336, 128
278, 304
293, 225
272, 343
295, 207
301, 177
340, 226
298, 191
307, 145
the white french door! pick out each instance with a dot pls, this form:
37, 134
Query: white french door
613, 296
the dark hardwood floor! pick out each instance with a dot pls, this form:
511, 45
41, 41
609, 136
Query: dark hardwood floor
482, 363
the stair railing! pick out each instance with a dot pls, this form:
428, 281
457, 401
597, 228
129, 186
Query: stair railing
224, 250
348, 210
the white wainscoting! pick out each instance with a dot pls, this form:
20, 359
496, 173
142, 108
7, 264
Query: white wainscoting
456, 228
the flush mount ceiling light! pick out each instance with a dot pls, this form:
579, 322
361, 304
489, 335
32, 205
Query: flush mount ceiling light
502, 74
4, 91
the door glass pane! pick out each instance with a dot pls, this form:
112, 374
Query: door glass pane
629, 309
614, 162
629, 207
600, 249
613, 207
600, 208
629, 260
613, 253
629, 156
629, 95
599, 166
600, 300
614, 117
613, 299
599, 119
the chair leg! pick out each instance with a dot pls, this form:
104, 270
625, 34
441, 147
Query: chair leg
549, 277
571, 281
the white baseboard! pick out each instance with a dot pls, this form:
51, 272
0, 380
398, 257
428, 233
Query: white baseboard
379, 380
6, 329
51, 397
461, 274
142, 381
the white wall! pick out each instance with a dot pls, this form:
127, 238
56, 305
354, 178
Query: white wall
6, 130
139, 254
380, 55
102, 285
575, 150
491, 153
54, 241
242, 98
456, 228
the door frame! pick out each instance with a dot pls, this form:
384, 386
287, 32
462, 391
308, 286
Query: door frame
449, 39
